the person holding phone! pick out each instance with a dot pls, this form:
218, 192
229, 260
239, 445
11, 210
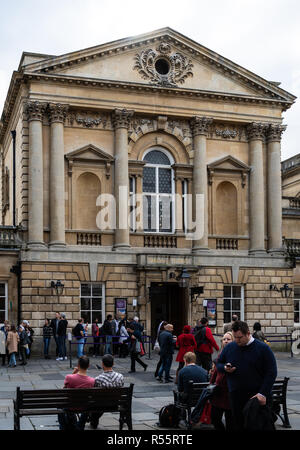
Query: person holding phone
251, 370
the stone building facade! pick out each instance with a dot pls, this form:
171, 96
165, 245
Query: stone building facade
148, 123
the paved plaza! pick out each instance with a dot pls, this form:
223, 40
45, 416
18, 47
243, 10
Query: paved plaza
148, 397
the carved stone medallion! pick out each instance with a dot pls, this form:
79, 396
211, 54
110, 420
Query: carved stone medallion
163, 66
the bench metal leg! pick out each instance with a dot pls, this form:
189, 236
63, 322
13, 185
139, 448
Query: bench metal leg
285, 422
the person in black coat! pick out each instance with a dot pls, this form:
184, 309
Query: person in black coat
54, 325
62, 334
134, 348
166, 342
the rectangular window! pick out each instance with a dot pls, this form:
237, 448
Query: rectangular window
233, 302
92, 302
296, 304
132, 203
3, 302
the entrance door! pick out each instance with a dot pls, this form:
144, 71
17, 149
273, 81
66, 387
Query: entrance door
168, 302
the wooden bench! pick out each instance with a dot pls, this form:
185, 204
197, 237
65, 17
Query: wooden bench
186, 401
55, 401
279, 391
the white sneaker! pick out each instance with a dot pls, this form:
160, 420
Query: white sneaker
57, 359
66, 358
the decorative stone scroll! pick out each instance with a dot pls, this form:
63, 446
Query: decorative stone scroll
162, 66
121, 118
200, 125
35, 110
57, 112
274, 132
256, 130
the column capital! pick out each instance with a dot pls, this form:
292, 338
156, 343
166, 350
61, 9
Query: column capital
200, 125
274, 132
256, 131
35, 110
57, 112
121, 118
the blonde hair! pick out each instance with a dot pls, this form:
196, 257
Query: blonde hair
190, 357
231, 335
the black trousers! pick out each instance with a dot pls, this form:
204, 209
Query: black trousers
135, 358
216, 419
204, 360
238, 400
158, 367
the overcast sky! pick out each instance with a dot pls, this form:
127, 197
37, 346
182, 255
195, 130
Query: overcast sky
261, 35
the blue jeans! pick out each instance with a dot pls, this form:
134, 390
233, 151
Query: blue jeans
46, 345
62, 352
12, 359
108, 342
165, 366
80, 346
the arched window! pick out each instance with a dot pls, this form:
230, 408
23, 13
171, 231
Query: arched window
158, 190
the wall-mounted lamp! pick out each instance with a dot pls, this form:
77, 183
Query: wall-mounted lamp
58, 286
183, 278
285, 290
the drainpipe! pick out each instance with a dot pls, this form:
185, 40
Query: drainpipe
13, 133
17, 271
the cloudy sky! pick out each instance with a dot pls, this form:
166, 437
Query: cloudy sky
262, 36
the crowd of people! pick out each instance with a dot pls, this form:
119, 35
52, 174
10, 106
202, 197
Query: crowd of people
15, 343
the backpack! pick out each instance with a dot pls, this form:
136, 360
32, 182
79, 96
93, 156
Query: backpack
169, 416
200, 337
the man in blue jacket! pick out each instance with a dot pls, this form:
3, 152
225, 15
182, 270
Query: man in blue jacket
166, 342
251, 370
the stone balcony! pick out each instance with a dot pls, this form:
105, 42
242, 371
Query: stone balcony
10, 237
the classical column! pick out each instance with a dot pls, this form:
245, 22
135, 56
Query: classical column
121, 118
199, 126
256, 135
274, 133
57, 114
35, 111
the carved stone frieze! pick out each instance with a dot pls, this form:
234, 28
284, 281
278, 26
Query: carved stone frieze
35, 110
163, 66
89, 119
274, 132
200, 125
57, 112
222, 131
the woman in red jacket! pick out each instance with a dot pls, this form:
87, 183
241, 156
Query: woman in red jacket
220, 401
186, 343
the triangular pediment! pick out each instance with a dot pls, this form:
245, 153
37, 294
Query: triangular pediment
89, 153
188, 65
228, 163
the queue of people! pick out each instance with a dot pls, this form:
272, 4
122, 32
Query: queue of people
15, 343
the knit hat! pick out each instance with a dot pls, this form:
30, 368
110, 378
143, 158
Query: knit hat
186, 329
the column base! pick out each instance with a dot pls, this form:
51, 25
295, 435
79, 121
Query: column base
257, 252
121, 247
277, 251
57, 244
36, 245
201, 250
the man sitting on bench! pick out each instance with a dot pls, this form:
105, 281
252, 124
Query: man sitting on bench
108, 379
78, 379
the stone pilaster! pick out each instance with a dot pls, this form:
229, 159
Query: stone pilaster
256, 135
57, 114
35, 111
200, 126
274, 133
120, 120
